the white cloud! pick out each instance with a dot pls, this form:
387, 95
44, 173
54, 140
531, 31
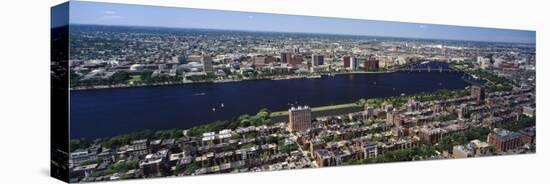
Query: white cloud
110, 15
109, 12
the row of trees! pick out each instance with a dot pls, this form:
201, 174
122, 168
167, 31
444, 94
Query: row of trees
494, 83
146, 77
188, 168
81, 143
261, 118
417, 153
120, 77
523, 122
447, 117
146, 134
426, 150
202, 78
422, 97
447, 143
124, 77
480, 133
491, 77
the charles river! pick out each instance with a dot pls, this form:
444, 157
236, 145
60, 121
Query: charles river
109, 112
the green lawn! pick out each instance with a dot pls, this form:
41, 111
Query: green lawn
460, 66
135, 78
317, 109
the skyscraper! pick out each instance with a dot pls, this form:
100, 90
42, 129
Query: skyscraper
286, 57
371, 64
206, 61
346, 60
295, 60
369, 112
299, 118
317, 60
353, 63
478, 93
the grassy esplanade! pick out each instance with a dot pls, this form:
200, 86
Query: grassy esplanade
393, 100
322, 108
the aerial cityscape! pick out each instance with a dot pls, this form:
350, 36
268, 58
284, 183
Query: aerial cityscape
162, 100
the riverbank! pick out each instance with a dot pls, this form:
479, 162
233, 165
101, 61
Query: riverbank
183, 82
491, 82
319, 109
101, 113
264, 117
393, 100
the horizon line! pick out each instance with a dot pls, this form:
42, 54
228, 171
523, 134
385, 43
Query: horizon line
292, 32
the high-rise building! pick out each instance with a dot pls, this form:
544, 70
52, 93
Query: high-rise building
269, 59
261, 61
346, 60
504, 139
478, 93
295, 60
286, 57
299, 118
353, 63
483, 62
317, 60
463, 111
369, 112
179, 59
371, 63
206, 61
296, 50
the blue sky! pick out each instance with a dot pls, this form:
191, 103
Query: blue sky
59, 15
140, 15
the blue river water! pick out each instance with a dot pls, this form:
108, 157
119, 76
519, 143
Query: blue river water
109, 112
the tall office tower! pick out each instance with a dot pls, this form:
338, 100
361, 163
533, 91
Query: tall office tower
286, 57
346, 60
353, 63
317, 60
206, 61
371, 64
